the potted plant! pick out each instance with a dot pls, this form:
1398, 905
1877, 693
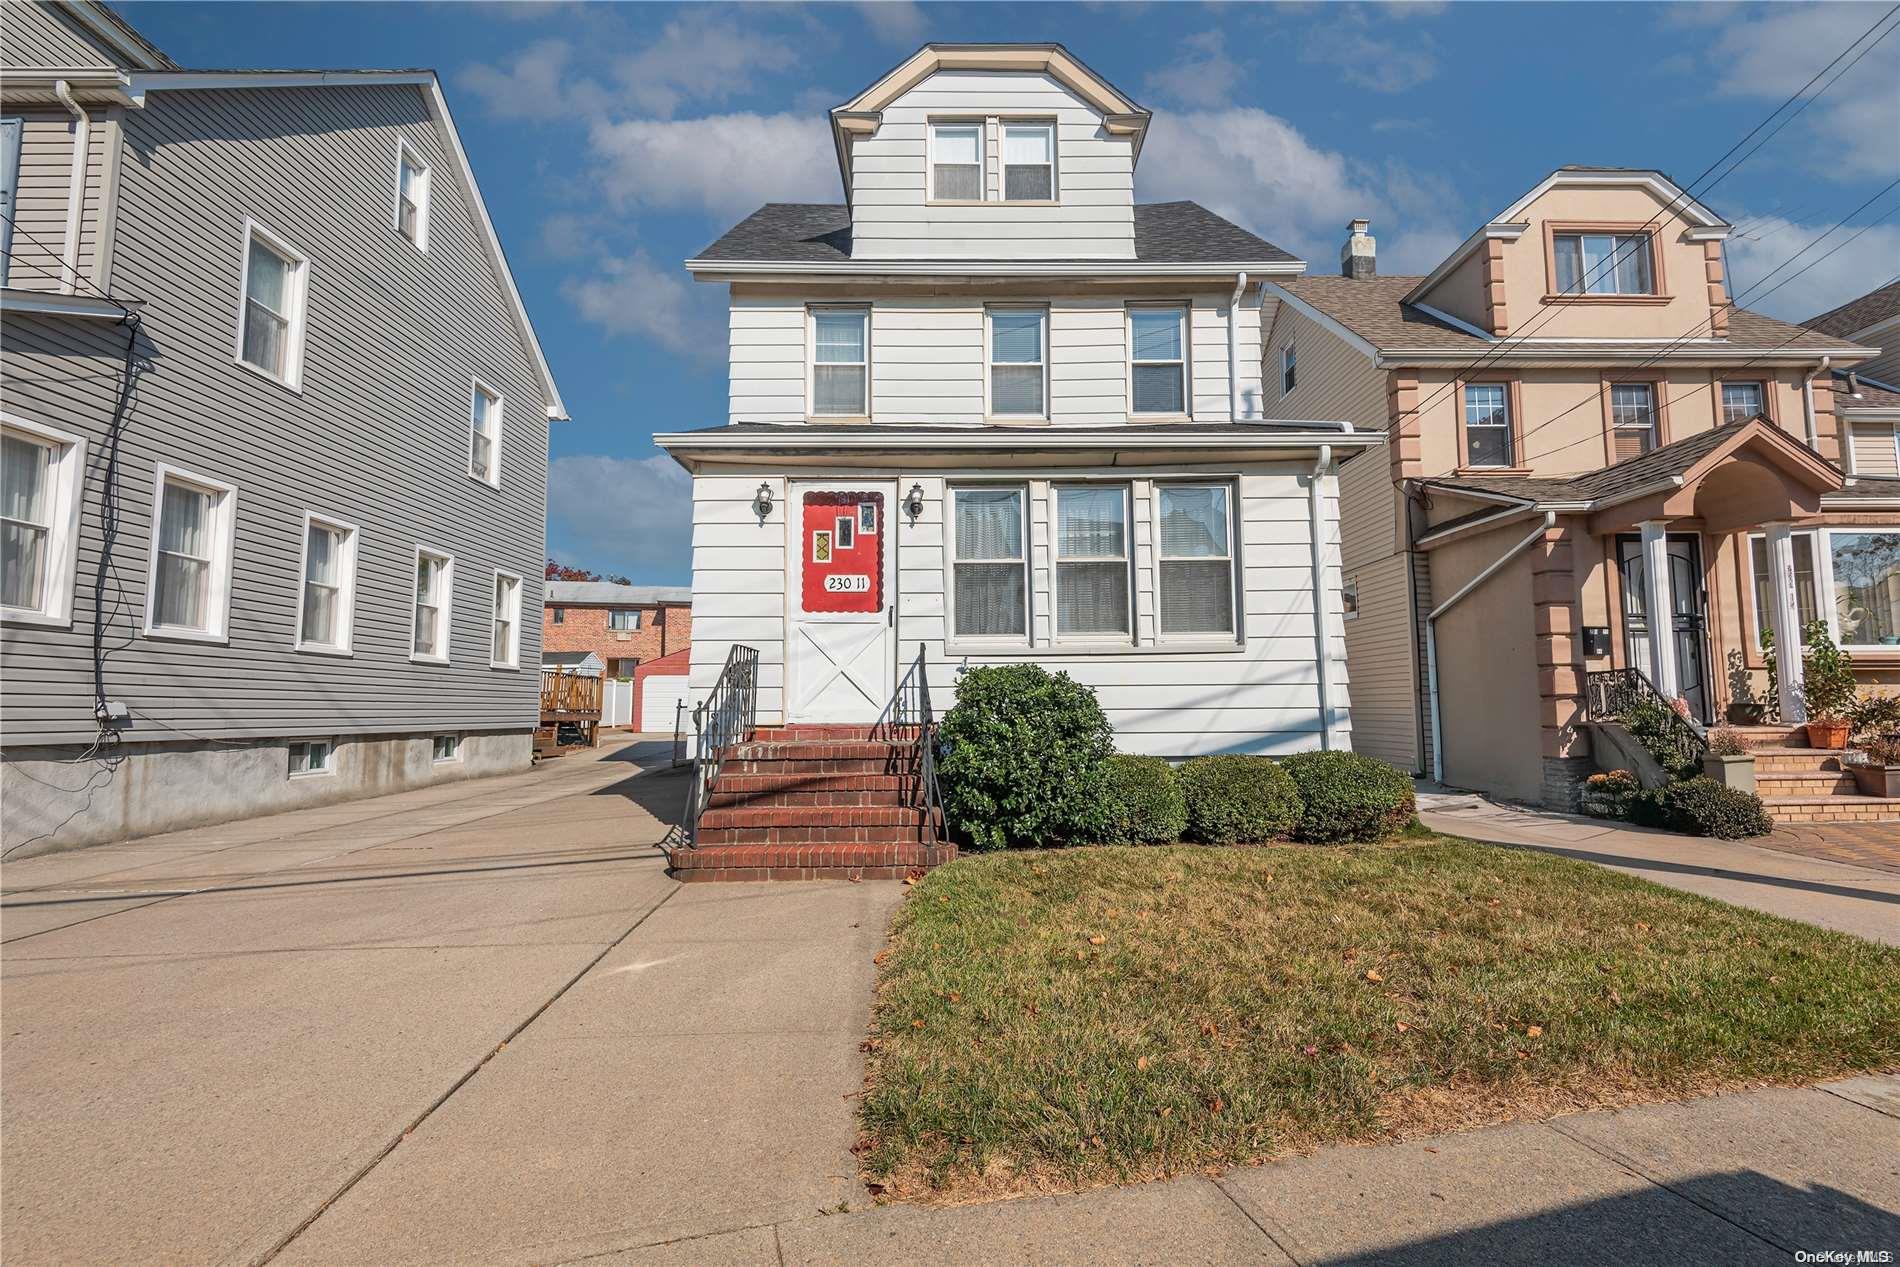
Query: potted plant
1827, 687
1878, 771
1744, 708
1728, 762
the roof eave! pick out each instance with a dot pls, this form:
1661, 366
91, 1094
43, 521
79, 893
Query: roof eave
725, 270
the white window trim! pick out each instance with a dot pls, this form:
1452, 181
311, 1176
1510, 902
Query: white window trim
985, 642
346, 588
1235, 567
446, 734
811, 361
66, 472
1508, 427
223, 535
1289, 358
1721, 404
1003, 124
1094, 638
1345, 584
1186, 309
408, 152
514, 622
982, 161
990, 363
447, 616
637, 625
1823, 547
329, 767
476, 387
292, 376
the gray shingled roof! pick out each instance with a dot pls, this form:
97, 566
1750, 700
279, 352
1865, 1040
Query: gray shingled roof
820, 233
607, 592
1865, 488
1869, 395
1623, 477
1858, 314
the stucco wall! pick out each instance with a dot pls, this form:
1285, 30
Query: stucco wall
1487, 670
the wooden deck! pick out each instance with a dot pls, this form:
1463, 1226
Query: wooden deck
570, 703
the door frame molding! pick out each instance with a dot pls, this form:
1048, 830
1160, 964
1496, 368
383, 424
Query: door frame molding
1706, 647
795, 489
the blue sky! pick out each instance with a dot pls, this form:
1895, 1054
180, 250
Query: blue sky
613, 141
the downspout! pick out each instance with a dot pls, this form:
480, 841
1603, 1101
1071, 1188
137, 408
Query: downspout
1321, 625
1233, 349
1807, 402
76, 194
1431, 635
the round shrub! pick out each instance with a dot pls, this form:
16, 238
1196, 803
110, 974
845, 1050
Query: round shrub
1145, 805
1347, 796
1703, 807
1235, 798
1023, 759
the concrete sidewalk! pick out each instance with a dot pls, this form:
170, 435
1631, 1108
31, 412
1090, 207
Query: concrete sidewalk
1859, 900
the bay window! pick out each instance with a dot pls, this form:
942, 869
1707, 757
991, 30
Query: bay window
1487, 425
329, 582
39, 519
840, 361
1157, 360
1603, 264
1092, 561
504, 650
189, 583
270, 316
435, 579
1018, 364
990, 579
956, 162
1196, 559
1029, 162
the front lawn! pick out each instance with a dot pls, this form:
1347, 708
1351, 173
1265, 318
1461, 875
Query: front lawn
1053, 1020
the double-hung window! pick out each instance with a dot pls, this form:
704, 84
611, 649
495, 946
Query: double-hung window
435, 583
1157, 360
1289, 370
270, 318
840, 361
990, 583
484, 434
1741, 401
1029, 162
621, 619
1487, 424
504, 651
1603, 264
956, 162
412, 196
189, 587
39, 520
1196, 559
329, 583
1018, 364
1092, 558
1633, 419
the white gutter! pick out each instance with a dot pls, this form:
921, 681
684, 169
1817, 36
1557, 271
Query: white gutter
1431, 635
1321, 624
1233, 348
1807, 399
76, 192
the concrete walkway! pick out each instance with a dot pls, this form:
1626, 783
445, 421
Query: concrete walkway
1853, 899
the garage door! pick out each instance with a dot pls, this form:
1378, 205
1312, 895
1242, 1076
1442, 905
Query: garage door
659, 698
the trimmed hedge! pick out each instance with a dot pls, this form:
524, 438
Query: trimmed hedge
1707, 808
1237, 798
1145, 805
1346, 796
1024, 759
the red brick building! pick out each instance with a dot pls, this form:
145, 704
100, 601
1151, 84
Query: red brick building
625, 625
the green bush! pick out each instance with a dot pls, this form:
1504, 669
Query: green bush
1875, 716
1145, 805
1704, 807
1654, 724
1024, 756
1236, 798
1346, 796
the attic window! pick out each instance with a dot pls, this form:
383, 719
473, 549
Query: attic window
1029, 162
1603, 264
956, 162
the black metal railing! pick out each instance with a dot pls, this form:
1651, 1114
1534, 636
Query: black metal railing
724, 718
909, 718
1628, 696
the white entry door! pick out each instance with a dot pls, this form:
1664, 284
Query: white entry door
840, 593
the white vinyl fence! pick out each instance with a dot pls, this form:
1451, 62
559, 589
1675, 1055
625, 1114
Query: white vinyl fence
616, 702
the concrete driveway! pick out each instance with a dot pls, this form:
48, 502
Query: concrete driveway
472, 1023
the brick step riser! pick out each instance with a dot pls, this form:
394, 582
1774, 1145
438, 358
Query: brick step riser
814, 816
841, 751
722, 837
1816, 764
892, 799
800, 733
805, 768
1845, 814
1829, 784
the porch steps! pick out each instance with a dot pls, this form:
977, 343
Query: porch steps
812, 803
1812, 785
1850, 808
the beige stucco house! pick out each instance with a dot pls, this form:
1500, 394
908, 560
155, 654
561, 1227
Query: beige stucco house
1584, 430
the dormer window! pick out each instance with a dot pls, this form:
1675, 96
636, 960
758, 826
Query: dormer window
1029, 162
1603, 264
956, 162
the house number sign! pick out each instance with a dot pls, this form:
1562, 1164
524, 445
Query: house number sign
842, 567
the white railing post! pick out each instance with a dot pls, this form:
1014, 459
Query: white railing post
1660, 609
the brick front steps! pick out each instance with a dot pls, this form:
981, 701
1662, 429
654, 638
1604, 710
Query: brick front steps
814, 803
1810, 785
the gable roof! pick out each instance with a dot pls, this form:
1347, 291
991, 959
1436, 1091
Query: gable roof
130, 50
1856, 315
820, 233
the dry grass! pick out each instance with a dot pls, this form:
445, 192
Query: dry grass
1050, 1021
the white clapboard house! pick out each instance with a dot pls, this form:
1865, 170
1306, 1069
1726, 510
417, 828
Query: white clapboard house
990, 409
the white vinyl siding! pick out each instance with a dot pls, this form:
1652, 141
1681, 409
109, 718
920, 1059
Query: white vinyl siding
485, 410
40, 473
504, 643
327, 600
1019, 363
275, 284
434, 595
188, 592
1876, 448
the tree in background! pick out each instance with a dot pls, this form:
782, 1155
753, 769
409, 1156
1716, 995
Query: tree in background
562, 572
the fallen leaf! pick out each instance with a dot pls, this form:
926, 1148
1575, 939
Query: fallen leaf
1402, 1026
1372, 974
881, 956
1217, 1105
1080, 955
1496, 901
1430, 1149
1309, 1050
1097, 940
1167, 1112
1040, 870
1351, 955
1616, 1000
917, 1024
955, 997
910, 879
1535, 1031
1641, 927
1209, 1029
1522, 1054
1141, 1062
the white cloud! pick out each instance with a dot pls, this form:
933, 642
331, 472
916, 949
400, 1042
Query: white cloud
725, 164
896, 21
1203, 74
1366, 51
537, 83
700, 57
620, 514
1765, 244
629, 295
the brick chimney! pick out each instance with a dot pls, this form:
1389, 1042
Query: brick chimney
1359, 258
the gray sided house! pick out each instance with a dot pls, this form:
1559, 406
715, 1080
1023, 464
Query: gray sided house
275, 442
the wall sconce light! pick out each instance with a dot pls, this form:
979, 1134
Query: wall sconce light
914, 502
762, 502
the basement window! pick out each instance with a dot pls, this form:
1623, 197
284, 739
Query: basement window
447, 748
312, 756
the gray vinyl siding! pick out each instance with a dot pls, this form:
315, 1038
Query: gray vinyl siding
39, 232
36, 35
377, 436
